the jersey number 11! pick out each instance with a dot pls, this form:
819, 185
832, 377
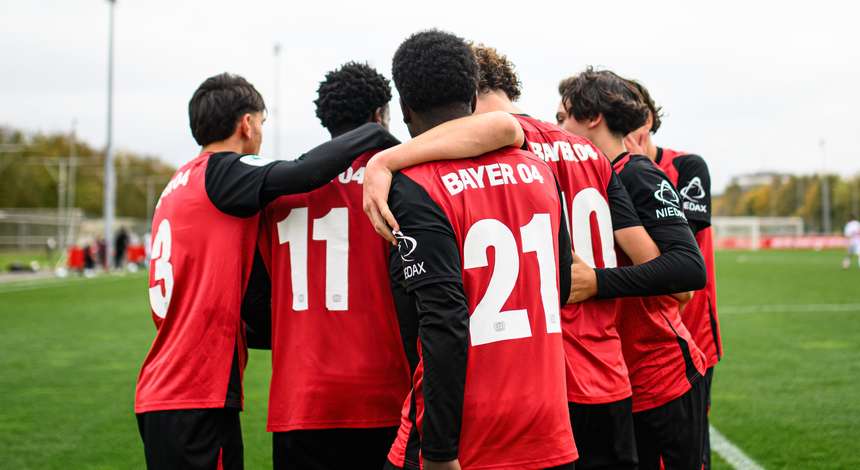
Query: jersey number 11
333, 229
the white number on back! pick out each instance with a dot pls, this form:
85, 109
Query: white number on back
586, 202
333, 228
162, 270
488, 323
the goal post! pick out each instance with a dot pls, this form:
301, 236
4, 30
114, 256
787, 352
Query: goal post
753, 233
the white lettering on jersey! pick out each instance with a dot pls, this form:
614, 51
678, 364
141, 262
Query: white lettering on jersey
693, 193
352, 176
562, 150
484, 176
181, 179
669, 198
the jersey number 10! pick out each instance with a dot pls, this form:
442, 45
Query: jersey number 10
332, 228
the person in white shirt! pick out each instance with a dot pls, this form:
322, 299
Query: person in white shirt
852, 233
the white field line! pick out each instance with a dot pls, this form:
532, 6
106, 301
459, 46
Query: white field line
730, 452
788, 308
23, 286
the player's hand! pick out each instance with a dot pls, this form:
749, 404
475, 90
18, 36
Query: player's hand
683, 299
583, 284
449, 465
635, 141
377, 183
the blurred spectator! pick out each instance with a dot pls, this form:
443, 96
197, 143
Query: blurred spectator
852, 233
120, 245
101, 253
76, 260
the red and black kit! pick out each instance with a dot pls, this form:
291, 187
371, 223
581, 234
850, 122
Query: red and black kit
482, 258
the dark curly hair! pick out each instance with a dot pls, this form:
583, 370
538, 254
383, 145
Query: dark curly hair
656, 111
433, 68
496, 72
596, 92
218, 104
350, 95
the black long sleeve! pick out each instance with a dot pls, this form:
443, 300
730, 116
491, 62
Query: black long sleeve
324, 162
694, 187
427, 278
242, 185
679, 268
443, 325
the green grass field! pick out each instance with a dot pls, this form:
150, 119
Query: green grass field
786, 392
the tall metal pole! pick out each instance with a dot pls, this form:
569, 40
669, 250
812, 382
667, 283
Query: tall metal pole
825, 192
110, 174
70, 199
62, 172
277, 105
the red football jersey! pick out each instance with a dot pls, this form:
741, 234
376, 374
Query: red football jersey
201, 261
503, 213
337, 357
689, 174
662, 358
596, 372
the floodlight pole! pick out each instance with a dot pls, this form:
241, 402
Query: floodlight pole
110, 171
70, 199
277, 105
825, 192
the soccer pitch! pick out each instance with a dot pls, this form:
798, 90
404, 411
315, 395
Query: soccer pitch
786, 393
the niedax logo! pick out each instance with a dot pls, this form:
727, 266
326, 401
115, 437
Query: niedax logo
666, 194
405, 246
694, 190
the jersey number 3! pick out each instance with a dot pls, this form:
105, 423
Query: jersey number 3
488, 323
162, 270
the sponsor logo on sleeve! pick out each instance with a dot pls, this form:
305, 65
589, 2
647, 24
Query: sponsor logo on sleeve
693, 194
255, 160
406, 246
666, 195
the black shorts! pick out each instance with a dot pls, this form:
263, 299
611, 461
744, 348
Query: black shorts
673, 432
192, 439
604, 435
332, 449
566, 466
709, 379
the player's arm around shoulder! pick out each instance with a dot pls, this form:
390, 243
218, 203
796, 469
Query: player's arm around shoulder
460, 138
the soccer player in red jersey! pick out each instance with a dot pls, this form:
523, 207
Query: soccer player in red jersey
600, 214
689, 173
205, 225
664, 363
482, 258
205, 228
339, 373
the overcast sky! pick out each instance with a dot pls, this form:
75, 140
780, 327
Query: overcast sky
749, 85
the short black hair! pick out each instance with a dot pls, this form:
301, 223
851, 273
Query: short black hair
433, 68
496, 72
218, 104
350, 94
656, 111
595, 92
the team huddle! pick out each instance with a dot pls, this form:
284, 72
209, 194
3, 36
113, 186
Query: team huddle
497, 292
